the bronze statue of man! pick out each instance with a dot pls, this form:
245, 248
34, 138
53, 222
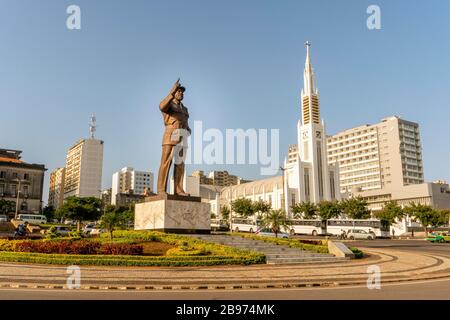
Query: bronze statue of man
175, 116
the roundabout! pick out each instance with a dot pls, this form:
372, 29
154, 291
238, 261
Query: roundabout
396, 266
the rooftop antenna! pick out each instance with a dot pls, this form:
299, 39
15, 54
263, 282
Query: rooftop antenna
93, 126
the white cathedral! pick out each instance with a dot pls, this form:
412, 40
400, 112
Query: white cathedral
307, 175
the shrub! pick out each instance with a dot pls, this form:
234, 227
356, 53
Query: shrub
121, 249
7, 245
358, 253
60, 247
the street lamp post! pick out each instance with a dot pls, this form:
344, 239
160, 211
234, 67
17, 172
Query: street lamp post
283, 204
17, 201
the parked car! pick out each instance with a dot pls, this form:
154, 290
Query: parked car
59, 230
32, 218
266, 232
70, 222
439, 237
360, 235
3, 218
96, 231
87, 229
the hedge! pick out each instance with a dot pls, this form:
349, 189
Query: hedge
64, 259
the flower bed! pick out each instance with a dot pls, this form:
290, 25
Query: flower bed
126, 249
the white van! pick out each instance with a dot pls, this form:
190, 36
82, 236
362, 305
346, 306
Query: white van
32, 218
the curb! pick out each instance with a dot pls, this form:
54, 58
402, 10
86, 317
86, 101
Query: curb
219, 287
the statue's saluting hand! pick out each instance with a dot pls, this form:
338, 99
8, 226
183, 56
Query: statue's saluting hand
175, 87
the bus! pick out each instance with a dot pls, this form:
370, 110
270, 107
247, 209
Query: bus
311, 227
245, 224
335, 227
32, 218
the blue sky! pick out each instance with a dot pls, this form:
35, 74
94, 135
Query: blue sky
241, 61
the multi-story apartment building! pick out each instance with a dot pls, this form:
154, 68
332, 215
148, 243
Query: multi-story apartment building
21, 182
218, 178
84, 163
200, 174
386, 154
56, 190
130, 181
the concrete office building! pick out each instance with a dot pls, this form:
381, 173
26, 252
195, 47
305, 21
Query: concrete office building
130, 181
56, 190
386, 154
84, 164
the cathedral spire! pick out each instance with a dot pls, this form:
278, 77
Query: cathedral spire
310, 99
309, 76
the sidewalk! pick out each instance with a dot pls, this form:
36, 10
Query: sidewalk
395, 266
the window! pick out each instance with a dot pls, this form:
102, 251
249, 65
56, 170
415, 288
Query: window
26, 176
15, 175
13, 190
2, 174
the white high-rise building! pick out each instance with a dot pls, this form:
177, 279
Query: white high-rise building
308, 176
383, 155
84, 164
129, 180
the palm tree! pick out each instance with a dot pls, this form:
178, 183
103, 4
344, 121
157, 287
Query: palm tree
276, 220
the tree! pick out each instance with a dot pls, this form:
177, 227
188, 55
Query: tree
225, 212
276, 220
80, 209
7, 206
390, 213
444, 217
305, 210
328, 210
425, 215
355, 208
243, 207
261, 207
115, 217
49, 212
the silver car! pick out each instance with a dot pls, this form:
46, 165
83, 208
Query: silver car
269, 233
360, 235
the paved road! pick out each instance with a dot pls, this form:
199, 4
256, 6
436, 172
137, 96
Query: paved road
405, 245
436, 290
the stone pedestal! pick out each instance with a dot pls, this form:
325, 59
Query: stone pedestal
172, 213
